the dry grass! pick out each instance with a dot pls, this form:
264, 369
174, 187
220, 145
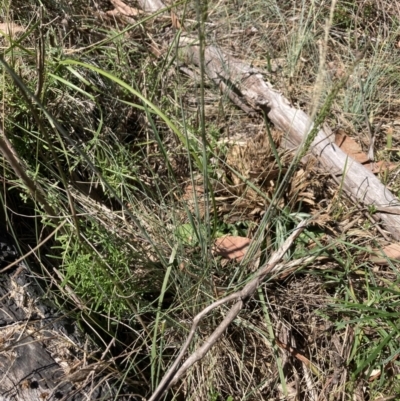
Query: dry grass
327, 330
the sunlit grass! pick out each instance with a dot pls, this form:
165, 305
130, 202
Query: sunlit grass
116, 137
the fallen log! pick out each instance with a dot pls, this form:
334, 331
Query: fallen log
247, 88
356, 180
41, 355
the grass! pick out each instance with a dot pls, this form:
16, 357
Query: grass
128, 151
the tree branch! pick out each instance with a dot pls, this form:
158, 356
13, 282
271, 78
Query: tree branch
174, 374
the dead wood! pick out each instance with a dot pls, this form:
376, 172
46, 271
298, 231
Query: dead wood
249, 82
41, 354
252, 91
27, 369
175, 373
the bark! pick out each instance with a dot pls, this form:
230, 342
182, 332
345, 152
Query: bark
41, 354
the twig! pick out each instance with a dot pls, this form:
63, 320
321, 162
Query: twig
174, 374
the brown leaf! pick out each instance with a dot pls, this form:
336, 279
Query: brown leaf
193, 197
350, 147
380, 167
175, 21
391, 251
231, 247
154, 48
190, 192
124, 9
353, 149
335, 69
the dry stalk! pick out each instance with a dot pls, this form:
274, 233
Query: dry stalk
175, 373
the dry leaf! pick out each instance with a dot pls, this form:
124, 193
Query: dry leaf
194, 199
350, 147
155, 50
253, 161
190, 192
124, 9
353, 149
175, 21
392, 251
10, 28
380, 167
231, 248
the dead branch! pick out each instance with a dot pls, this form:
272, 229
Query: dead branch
174, 374
355, 178
248, 82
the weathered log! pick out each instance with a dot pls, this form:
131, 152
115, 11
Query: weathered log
358, 181
246, 86
40, 354
27, 370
